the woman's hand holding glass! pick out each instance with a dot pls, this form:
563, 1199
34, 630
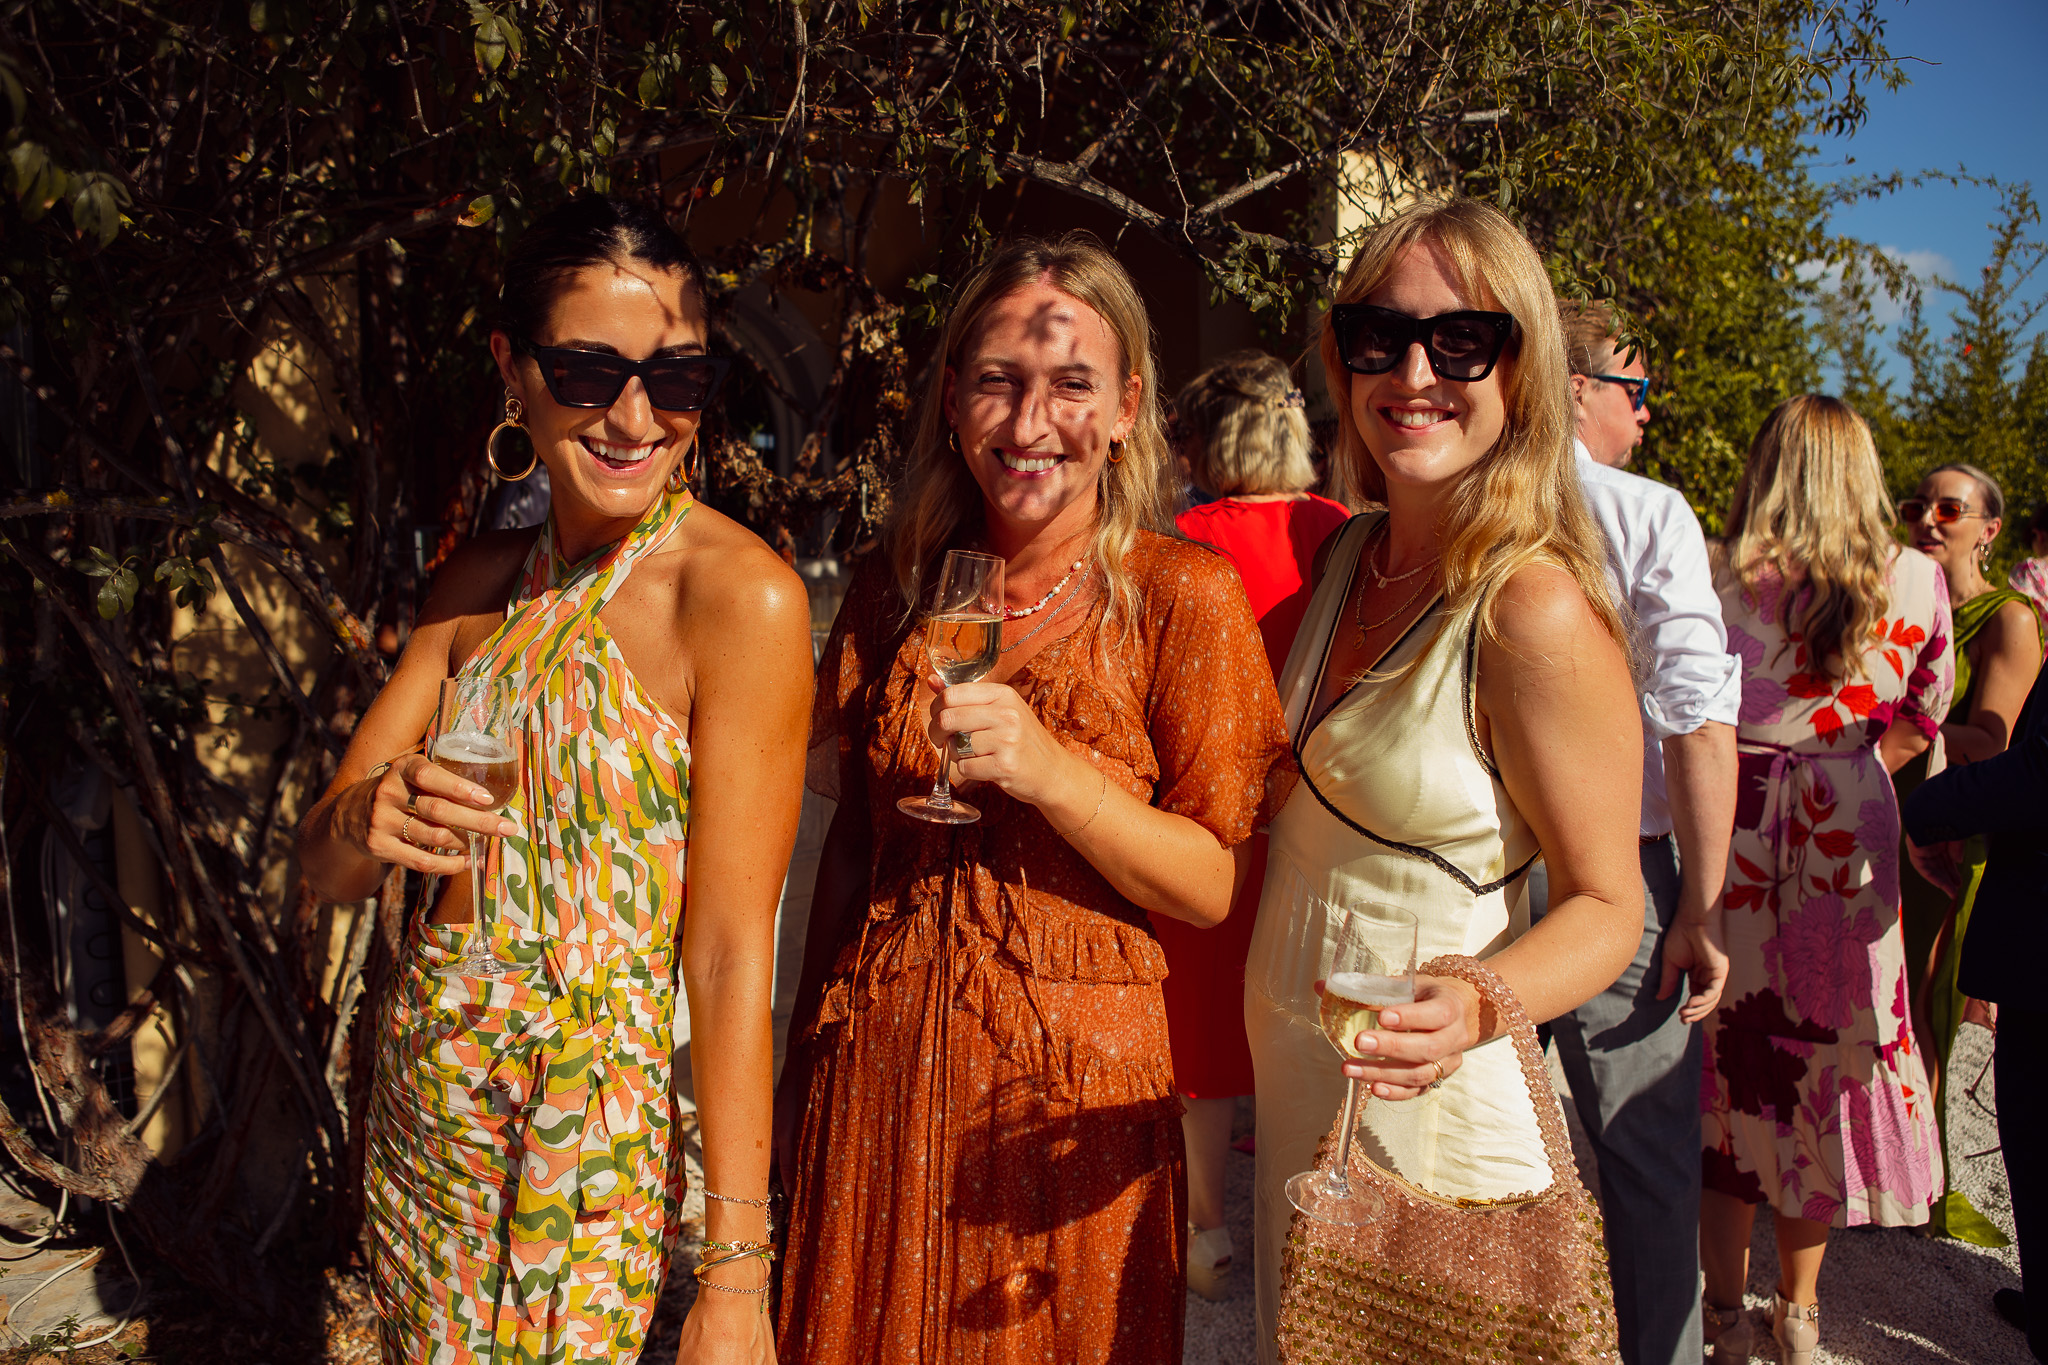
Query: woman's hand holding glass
999, 739
1416, 1045
419, 815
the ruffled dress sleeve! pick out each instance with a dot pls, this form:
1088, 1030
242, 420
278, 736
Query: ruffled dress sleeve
1210, 705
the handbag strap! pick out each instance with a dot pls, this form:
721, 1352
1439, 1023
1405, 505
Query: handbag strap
1557, 1143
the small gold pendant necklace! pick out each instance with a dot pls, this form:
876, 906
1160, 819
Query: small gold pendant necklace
1366, 628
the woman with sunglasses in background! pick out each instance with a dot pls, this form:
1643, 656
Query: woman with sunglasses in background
1815, 1100
1953, 518
523, 1172
1460, 701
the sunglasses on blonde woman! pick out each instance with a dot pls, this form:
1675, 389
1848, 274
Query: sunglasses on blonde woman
1462, 346
1947, 511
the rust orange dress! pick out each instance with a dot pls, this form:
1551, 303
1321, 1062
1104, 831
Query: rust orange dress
989, 1159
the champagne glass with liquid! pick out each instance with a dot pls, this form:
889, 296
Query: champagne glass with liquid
1373, 968
476, 738
963, 637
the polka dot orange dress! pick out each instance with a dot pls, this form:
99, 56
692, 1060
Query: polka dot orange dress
989, 1159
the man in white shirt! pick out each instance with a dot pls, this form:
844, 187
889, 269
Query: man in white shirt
1632, 1053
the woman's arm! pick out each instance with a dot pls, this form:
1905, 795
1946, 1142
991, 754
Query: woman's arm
1155, 859
352, 832
1558, 710
745, 627
2004, 658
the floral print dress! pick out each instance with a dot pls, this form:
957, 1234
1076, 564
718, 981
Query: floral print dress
522, 1177
1815, 1098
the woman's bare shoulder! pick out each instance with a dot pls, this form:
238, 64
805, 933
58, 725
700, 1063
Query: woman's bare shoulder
1541, 607
725, 568
2015, 627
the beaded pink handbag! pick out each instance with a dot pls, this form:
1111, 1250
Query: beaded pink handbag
1519, 1279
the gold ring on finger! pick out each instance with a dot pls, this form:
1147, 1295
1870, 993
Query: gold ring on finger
965, 745
412, 802
1441, 1075
405, 835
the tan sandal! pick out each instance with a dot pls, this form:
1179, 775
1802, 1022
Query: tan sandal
1209, 1261
1797, 1329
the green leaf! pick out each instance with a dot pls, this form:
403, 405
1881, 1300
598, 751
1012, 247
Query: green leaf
497, 39
650, 86
96, 206
717, 79
481, 210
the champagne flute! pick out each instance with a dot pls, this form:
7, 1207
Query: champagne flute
475, 737
963, 637
1373, 968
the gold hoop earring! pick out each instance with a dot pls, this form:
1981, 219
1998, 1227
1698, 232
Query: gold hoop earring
515, 415
1116, 452
953, 439
686, 467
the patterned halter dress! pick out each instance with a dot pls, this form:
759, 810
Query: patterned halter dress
521, 1179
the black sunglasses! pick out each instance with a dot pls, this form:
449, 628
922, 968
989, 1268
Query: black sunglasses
595, 379
1947, 511
1637, 386
1463, 346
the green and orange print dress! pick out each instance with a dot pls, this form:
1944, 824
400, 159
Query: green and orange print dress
522, 1185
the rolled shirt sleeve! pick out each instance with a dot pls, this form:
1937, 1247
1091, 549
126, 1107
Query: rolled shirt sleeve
1657, 563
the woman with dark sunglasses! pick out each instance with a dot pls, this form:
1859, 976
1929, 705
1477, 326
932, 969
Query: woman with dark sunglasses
523, 1171
1953, 518
1460, 700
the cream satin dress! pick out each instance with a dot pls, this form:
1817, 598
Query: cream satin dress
1398, 806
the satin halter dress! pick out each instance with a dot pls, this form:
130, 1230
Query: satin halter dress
1398, 806
522, 1175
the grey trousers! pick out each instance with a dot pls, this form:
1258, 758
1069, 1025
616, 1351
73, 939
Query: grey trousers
1635, 1076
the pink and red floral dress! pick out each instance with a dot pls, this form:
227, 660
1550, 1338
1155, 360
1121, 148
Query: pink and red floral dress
1815, 1098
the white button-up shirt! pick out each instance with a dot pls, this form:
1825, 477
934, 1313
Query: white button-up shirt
1657, 563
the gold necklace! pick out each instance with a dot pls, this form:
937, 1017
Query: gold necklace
1365, 630
1382, 580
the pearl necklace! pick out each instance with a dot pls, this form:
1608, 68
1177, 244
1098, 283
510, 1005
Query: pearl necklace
1051, 617
1019, 613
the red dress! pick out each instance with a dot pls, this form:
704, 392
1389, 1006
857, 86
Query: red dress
1273, 545
988, 1158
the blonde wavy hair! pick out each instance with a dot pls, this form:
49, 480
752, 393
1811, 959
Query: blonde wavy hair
1138, 492
1246, 428
1812, 507
1520, 503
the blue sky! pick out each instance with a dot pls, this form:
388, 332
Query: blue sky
1979, 100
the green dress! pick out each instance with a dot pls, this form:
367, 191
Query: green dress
1926, 909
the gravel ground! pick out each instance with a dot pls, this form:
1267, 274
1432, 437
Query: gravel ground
1889, 1296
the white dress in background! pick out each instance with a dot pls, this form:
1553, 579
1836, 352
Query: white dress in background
1398, 806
